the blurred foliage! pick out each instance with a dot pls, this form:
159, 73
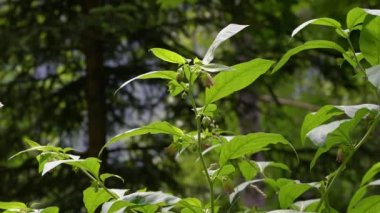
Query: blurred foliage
42, 75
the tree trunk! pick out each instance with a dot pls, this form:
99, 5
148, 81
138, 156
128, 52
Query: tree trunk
95, 83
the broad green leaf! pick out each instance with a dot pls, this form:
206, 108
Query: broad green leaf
319, 21
242, 76
170, 75
317, 44
146, 198
93, 197
215, 68
248, 169
51, 165
340, 134
223, 172
52, 209
369, 204
153, 128
223, 35
373, 74
240, 188
249, 144
319, 134
168, 56
12, 205
374, 170
91, 165
369, 41
355, 17
290, 192
190, 205
315, 119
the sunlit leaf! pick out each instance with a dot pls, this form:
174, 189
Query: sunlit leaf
12, 205
369, 41
355, 17
153, 128
168, 56
52, 209
249, 144
223, 35
170, 75
319, 21
373, 74
248, 169
94, 197
303, 204
105, 176
372, 12
317, 44
215, 68
240, 77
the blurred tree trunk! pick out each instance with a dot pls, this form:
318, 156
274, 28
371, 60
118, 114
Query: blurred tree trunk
95, 82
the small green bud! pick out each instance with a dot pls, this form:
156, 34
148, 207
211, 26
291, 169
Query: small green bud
207, 80
206, 121
184, 95
180, 75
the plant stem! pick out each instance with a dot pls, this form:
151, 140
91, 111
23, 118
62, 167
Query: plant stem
199, 144
348, 158
100, 183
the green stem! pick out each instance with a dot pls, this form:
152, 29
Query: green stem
100, 184
199, 144
348, 158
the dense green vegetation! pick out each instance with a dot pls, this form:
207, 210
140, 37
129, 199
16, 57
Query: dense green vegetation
202, 134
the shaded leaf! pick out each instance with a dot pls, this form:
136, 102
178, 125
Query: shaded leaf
223, 35
168, 56
369, 41
242, 75
317, 44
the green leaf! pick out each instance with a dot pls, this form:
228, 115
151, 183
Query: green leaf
52, 209
91, 165
223, 35
248, 170
222, 172
215, 68
304, 204
242, 76
369, 204
168, 55
355, 17
290, 192
249, 144
12, 205
339, 133
317, 44
373, 74
105, 176
370, 174
359, 194
319, 21
48, 166
369, 41
146, 198
93, 197
190, 205
170, 75
262, 165
153, 128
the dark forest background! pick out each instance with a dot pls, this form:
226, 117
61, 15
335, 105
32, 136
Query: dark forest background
62, 60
